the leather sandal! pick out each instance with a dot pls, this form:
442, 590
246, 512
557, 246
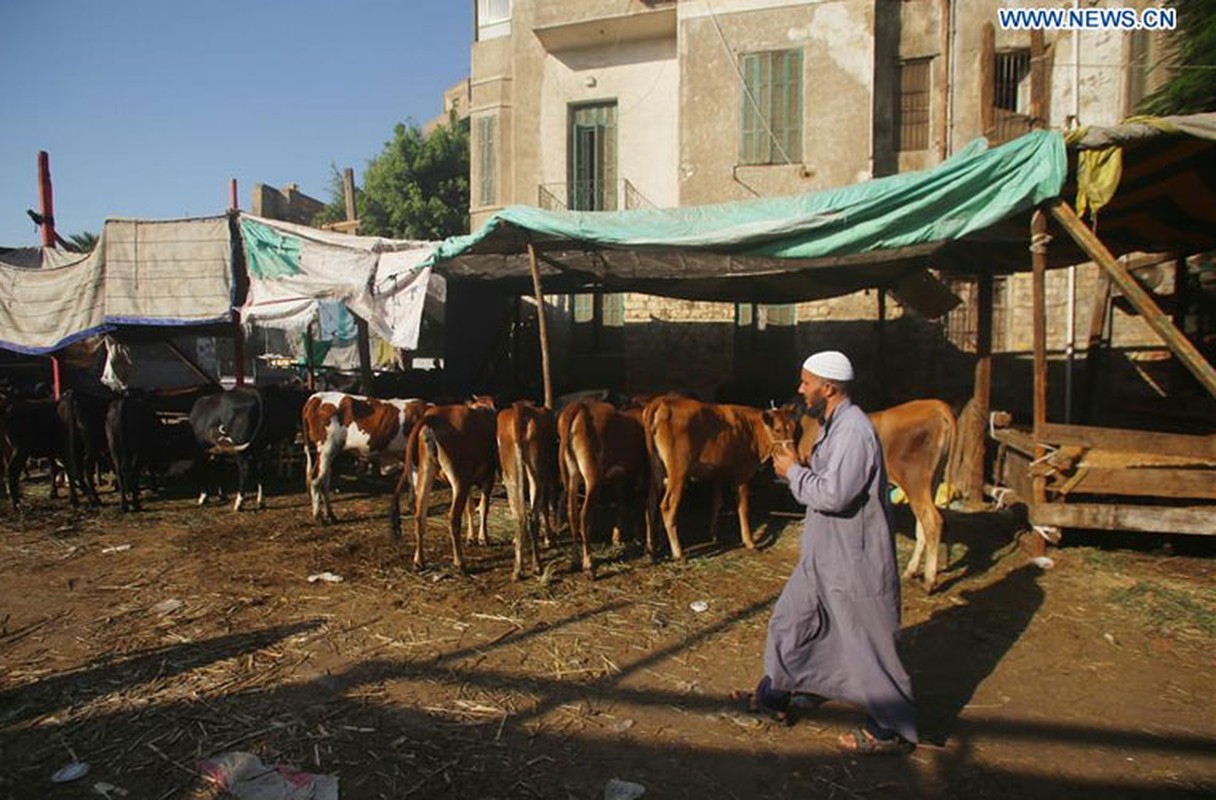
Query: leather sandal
862, 742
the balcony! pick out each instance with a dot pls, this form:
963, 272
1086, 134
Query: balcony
591, 196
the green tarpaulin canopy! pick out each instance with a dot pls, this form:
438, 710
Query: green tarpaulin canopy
967, 215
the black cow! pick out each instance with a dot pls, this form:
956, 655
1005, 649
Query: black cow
134, 434
243, 422
83, 417
32, 429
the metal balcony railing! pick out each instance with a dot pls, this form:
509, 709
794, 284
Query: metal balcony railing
590, 196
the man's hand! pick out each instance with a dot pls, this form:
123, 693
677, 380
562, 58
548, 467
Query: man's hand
783, 458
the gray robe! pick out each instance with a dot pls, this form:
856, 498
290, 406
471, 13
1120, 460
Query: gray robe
834, 627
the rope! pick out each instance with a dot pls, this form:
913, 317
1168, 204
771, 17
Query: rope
1039, 242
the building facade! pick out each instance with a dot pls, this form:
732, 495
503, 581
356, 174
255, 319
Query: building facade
617, 104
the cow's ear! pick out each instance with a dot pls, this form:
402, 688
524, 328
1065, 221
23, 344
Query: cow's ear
767, 416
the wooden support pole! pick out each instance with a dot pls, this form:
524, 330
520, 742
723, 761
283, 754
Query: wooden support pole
46, 201
1093, 349
881, 343
1181, 346
981, 399
238, 333
541, 325
367, 380
1038, 250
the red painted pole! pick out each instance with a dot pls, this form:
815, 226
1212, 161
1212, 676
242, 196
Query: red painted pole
47, 202
238, 341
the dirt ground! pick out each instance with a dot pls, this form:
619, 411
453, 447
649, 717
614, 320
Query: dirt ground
141, 644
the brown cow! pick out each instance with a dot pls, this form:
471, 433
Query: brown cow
335, 422
598, 446
457, 441
916, 437
527, 455
689, 439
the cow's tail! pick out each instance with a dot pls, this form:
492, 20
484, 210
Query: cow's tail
405, 482
946, 477
306, 435
655, 417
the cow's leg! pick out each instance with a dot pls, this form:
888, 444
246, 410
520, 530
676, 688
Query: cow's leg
592, 489
16, 463
460, 499
619, 520
572, 487
670, 507
744, 507
131, 484
932, 534
653, 494
918, 550
715, 511
536, 510
242, 476
319, 479
483, 513
422, 496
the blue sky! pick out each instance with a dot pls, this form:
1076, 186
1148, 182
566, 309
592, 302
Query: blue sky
149, 108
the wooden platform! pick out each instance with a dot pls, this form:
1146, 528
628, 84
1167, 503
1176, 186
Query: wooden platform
1105, 478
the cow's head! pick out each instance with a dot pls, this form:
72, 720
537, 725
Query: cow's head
781, 424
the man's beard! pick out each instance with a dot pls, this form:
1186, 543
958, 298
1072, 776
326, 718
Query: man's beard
816, 407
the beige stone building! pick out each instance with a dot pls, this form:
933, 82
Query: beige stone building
616, 104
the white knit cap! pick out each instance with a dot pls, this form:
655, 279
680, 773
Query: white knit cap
830, 364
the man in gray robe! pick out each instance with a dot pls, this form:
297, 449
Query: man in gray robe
833, 629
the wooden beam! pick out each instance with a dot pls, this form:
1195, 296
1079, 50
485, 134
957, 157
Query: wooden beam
1149, 519
1169, 444
1152, 314
367, 379
1197, 484
541, 326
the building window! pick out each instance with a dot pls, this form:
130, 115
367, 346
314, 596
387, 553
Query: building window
778, 315
584, 307
486, 162
493, 19
1011, 95
914, 104
593, 163
770, 119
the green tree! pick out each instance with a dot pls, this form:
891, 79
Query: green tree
416, 188
83, 242
1191, 87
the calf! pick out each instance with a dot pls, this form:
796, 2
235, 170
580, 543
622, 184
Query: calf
917, 438
600, 446
457, 441
727, 444
527, 455
334, 423
242, 423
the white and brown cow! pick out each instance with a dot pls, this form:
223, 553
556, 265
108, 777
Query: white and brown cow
916, 437
336, 423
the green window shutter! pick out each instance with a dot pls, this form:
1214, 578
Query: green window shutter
770, 116
487, 194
